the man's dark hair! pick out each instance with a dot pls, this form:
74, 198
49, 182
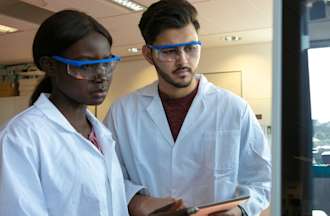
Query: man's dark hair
166, 14
56, 34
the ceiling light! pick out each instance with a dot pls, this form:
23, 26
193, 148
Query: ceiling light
131, 5
232, 38
7, 29
133, 50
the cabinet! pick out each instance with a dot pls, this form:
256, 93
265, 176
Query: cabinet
10, 106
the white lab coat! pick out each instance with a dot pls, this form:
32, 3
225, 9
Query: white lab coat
48, 168
220, 150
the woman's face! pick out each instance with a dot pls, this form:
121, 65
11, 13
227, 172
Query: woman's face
88, 92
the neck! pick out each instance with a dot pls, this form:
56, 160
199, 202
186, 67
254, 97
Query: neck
75, 113
175, 92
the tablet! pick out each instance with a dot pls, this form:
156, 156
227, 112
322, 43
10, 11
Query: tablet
220, 206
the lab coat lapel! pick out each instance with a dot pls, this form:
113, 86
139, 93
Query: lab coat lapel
192, 118
108, 149
197, 108
157, 114
104, 137
52, 113
116, 194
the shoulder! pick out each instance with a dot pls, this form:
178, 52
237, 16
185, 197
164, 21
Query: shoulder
23, 129
29, 118
222, 98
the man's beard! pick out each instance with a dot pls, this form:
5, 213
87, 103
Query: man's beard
171, 81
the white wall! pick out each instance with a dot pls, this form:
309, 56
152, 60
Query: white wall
253, 60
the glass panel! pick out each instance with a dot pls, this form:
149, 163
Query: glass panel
319, 76
319, 66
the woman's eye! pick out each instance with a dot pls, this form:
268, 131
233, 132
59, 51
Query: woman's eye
86, 67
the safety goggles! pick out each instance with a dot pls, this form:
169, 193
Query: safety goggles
171, 52
89, 69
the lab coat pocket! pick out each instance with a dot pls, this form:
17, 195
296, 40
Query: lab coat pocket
221, 151
88, 203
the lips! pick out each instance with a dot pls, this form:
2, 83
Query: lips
100, 90
182, 71
100, 93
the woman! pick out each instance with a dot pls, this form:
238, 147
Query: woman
56, 158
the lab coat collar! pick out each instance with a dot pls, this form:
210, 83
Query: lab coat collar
160, 119
205, 87
44, 105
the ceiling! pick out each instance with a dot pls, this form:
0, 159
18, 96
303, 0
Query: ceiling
249, 19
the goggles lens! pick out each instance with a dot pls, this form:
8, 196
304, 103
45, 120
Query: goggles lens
90, 69
171, 52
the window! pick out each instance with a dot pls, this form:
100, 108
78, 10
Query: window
303, 83
319, 77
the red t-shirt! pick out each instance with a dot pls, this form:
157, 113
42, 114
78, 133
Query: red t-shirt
176, 110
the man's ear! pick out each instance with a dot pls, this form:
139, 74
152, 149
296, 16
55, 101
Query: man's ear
146, 51
48, 65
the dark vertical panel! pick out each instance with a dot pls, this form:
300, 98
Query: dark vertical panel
296, 114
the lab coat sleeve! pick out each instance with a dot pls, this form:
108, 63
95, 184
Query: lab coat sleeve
254, 176
20, 188
130, 187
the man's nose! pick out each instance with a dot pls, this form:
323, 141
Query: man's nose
182, 56
101, 69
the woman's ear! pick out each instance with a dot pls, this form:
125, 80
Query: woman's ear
146, 51
48, 65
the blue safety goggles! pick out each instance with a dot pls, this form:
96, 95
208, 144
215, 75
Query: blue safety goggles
171, 52
80, 63
89, 69
169, 46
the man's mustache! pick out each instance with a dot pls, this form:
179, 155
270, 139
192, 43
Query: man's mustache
183, 68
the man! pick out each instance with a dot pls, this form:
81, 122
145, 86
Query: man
182, 136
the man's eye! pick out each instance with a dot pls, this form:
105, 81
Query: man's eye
169, 51
190, 48
106, 64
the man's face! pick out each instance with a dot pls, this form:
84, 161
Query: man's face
175, 66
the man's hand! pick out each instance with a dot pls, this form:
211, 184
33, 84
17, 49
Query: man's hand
143, 205
231, 212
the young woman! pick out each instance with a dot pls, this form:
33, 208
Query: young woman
56, 158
